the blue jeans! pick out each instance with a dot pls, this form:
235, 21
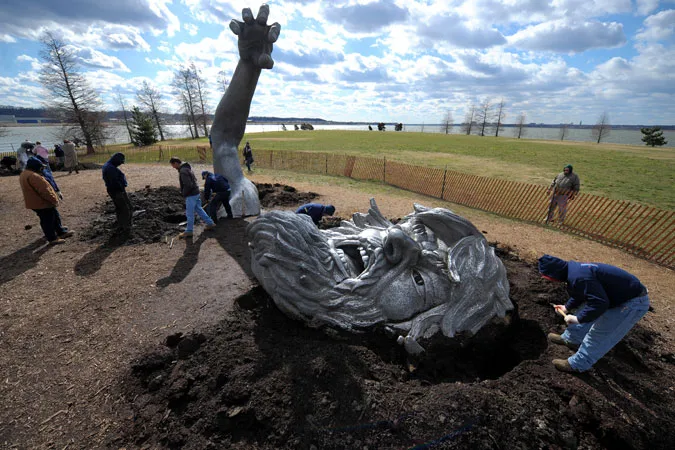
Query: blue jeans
194, 205
600, 336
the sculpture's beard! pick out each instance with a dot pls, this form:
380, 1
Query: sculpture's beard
433, 271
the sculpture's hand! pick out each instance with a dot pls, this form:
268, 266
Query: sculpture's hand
256, 37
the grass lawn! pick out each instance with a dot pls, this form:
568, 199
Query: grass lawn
642, 174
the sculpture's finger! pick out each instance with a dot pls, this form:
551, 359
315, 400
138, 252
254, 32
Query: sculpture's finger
273, 33
236, 26
263, 14
247, 15
265, 61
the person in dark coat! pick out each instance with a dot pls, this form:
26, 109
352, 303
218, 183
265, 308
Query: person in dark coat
116, 185
190, 191
219, 186
316, 211
248, 156
60, 156
609, 302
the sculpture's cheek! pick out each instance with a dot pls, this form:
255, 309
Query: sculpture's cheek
400, 300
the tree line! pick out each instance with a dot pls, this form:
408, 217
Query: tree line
72, 100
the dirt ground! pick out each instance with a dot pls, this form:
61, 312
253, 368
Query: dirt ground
151, 345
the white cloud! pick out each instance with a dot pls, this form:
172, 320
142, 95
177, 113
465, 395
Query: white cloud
658, 27
568, 36
90, 57
645, 7
191, 28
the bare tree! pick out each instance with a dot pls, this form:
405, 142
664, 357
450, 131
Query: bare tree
223, 81
151, 100
469, 119
202, 106
483, 115
446, 125
71, 96
602, 128
520, 124
120, 101
499, 116
185, 85
564, 131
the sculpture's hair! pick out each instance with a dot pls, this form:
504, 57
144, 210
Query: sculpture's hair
295, 264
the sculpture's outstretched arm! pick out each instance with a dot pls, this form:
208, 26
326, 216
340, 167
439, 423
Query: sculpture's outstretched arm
255, 48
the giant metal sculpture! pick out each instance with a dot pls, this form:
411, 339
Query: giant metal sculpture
433, 271
255, 48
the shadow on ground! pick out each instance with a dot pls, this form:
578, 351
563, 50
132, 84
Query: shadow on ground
92, 262
21, 260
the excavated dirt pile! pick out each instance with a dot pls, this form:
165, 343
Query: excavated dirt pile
261, 380
158, 212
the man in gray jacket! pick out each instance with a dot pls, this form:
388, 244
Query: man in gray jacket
565, 186
190, 191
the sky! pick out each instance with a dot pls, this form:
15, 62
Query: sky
410, 61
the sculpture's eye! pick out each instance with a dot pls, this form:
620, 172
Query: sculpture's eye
418, 278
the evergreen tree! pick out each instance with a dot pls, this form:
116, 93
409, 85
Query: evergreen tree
143, 130
653, 136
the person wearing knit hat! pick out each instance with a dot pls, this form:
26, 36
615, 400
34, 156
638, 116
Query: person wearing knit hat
565, 187
608, 301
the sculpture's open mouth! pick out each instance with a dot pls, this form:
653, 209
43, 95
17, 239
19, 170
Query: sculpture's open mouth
354, 257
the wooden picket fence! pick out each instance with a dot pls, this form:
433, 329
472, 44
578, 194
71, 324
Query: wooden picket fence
646, 232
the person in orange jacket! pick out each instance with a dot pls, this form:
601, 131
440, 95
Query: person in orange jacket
40, 196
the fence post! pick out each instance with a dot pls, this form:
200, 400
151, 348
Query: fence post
445, 174
384, 169
326, 172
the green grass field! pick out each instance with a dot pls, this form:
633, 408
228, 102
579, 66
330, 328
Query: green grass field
642, 174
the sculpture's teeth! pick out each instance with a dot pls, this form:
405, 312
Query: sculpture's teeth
365, 260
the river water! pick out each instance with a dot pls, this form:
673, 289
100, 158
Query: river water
49, 135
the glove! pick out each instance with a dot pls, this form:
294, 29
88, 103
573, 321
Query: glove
60, 195
570, 319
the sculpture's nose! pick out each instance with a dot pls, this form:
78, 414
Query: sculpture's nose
399, 246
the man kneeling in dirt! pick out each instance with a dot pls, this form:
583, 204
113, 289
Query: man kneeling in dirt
316, 211
610, 299
190, 191
221, 189
116, 185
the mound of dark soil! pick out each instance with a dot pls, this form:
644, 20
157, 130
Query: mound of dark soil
272, 195
261, 380
158, 212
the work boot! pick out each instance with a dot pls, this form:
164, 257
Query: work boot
185, 235
557, 339
57, 241
66, 234
563, 365
210, 227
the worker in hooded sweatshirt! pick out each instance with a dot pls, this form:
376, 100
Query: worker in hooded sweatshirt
608, 301
116, 185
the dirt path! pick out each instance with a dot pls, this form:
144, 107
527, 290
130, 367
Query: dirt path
72, 317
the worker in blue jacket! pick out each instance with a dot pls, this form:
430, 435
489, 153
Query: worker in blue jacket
608, 300
218, 185
116, 185
316, 211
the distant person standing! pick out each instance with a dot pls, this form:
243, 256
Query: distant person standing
70, 157
190, 191
49, 176
39, 196
565, 187
116, 185
316, 211
58, 153
219, 186
41, 151
248, 156
22, 153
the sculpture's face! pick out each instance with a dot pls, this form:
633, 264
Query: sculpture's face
432, 271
